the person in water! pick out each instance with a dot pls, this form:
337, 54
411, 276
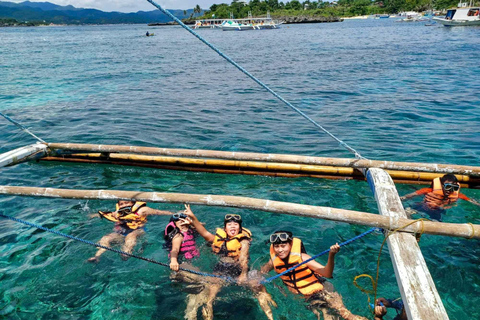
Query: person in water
442, 194
180, 239
231, 243
130, 218
381, 305
181, 244
147, 34
286, 252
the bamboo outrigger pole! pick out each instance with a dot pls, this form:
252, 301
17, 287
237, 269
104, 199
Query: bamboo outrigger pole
340, 215
62, 148
249, 167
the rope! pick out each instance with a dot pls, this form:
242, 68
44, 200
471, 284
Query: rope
343, 144
375, 282
21, 127
228, 279
318, 255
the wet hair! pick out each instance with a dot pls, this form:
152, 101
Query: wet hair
449, 177
289, 232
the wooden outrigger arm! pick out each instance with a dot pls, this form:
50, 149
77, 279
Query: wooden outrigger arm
333, 214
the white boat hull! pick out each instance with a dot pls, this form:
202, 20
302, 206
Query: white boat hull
456, 23
237, 28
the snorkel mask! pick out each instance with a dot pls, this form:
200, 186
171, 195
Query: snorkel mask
281, 237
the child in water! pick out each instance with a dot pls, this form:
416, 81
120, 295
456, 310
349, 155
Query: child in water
231, 245
130, 218
180, 239
286, 252
442, 194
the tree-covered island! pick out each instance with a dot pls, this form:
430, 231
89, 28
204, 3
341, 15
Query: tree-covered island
339, 8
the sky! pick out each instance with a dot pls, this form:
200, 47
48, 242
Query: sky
131, 5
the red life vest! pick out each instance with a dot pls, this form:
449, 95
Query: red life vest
438, 198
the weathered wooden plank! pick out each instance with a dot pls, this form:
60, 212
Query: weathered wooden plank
23, 154
340, 215
416, 285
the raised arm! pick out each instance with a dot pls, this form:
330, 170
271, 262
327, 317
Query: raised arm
327, 270
198, 225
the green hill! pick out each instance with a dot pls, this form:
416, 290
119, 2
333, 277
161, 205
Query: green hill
51, 13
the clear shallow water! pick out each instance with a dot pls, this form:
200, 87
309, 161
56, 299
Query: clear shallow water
401, 92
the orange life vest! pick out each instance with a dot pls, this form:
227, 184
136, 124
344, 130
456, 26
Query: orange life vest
231, 245
132, 220
300, 280
438, 190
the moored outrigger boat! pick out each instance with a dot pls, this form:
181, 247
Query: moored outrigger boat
467, 16
417, 288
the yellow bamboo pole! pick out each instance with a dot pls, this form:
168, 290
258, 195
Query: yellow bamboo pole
59, 148
250, 167
333, 214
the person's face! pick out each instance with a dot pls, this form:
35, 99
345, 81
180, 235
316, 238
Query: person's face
123, 204
282, 250
449, 186
232, 228
182, 224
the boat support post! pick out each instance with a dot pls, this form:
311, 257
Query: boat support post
16, 156
420, 297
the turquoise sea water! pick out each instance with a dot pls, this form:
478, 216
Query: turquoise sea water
401, 92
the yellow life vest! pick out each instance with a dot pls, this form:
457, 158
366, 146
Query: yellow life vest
300, 280
438, 190
132, 220
231, 246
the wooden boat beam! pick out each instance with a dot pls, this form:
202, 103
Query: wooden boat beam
416, 285
16, 156
333, 214
68, 148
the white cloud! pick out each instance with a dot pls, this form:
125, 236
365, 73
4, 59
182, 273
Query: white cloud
131, 5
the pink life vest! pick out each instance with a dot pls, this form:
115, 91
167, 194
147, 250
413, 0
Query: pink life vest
188, 247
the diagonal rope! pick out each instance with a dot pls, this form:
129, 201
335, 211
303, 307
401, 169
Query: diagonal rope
318, 255
21, 127
343, 144
228, 279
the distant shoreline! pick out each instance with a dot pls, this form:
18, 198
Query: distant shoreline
286, 19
